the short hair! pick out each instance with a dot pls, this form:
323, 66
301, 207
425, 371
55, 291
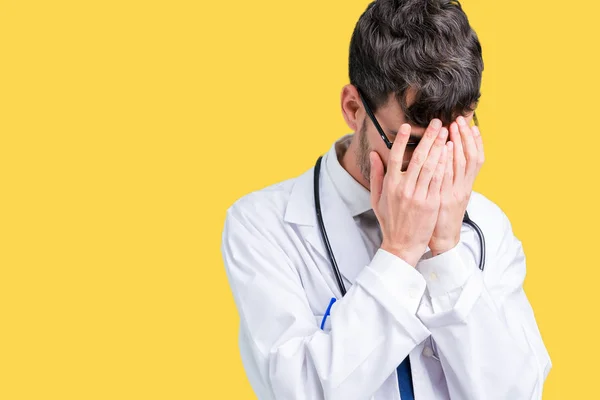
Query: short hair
427, 45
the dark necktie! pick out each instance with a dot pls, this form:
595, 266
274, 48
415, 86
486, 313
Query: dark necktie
405, 380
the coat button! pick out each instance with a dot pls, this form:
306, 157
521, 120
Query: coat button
427, 352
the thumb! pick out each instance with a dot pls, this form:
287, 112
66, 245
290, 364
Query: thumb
376, 178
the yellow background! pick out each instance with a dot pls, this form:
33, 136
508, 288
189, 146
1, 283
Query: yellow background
128, 127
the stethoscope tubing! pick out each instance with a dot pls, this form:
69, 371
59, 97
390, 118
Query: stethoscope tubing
336, 270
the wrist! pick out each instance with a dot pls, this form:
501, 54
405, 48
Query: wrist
439, 248
435, 252
410, 257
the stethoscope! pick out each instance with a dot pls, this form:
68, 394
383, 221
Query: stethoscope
336, 270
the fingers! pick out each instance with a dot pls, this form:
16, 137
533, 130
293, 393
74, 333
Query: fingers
422, 151
438, 175
376, 178
394, 170
459, 155
469, 147
429, 167
449, 172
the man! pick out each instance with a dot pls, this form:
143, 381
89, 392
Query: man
419, 319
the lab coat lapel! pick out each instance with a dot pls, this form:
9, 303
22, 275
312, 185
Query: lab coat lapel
348, 246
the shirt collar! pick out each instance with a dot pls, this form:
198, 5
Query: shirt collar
356, 197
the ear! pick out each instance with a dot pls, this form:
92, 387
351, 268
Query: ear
351, 104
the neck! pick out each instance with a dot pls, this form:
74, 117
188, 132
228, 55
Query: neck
349, 162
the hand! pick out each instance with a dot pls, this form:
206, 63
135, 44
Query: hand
407, 203
465, 159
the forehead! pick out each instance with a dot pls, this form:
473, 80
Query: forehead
391, 117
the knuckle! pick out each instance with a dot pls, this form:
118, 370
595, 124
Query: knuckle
431, 133
427, 168
421, 204
395, 157
440, 171
405, 193
418, 158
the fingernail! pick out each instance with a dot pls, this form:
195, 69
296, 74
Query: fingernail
444, 133
461, 120
405, 129
436, 123
475, 130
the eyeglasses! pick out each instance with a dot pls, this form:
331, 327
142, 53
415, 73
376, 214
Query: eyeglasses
380, 130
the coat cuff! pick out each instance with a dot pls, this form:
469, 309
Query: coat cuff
404, 285
445, 272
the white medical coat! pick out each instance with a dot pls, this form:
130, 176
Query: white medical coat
482, 324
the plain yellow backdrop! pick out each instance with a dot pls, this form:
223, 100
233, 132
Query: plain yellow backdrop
128, 127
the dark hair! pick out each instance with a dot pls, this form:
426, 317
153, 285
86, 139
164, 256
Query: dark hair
424, 44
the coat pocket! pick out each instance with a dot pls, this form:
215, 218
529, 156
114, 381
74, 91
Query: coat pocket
326, 327
324, 321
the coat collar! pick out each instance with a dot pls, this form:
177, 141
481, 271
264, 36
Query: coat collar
348, 247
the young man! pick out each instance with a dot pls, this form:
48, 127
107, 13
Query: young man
410, 315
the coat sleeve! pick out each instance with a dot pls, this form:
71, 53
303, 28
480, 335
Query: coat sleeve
482, 322
373, 327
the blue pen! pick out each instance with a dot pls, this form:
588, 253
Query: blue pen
333, 299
